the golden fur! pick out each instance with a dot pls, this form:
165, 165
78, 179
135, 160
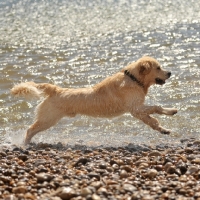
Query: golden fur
116, 95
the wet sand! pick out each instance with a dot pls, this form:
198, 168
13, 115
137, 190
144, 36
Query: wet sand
45, 171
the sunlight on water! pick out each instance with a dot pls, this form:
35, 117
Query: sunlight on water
79, 43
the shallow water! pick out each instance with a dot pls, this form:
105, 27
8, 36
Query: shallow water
79, 43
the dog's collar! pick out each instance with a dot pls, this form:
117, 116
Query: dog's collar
126, 72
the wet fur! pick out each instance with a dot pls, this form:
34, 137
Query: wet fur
114, 96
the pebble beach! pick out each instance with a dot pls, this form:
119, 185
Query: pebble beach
58, 172
78, 43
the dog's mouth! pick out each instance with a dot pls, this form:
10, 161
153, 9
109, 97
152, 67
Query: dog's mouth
160, 81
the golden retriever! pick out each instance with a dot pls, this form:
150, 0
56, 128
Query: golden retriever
120, 93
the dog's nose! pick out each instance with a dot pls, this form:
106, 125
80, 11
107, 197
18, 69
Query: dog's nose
169, 74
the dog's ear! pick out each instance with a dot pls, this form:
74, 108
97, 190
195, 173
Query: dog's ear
145, 67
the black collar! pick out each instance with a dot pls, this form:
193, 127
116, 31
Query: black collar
133, 78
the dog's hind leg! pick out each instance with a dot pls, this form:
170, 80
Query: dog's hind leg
47, 116
37, 127
34, 129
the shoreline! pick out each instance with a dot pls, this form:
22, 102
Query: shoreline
55, 172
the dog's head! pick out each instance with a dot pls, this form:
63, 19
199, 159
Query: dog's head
150, 71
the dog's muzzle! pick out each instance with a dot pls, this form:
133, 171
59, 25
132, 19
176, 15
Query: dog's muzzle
160, 81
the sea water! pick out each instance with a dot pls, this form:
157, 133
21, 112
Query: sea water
78, 43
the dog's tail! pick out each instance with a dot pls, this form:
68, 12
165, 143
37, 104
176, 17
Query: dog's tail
32, 90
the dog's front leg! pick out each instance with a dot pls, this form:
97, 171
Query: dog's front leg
152, 122
156, 109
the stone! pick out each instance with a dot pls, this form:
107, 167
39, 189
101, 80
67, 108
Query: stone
183, 169
2, 153
66, 193
44, 177
196, 161
102, 190
171, 169
40, 162
96, 184
82, 161
102, 165
94, 175
196, 142
167, 165
126, 168
124, 174
154, 153
21, 183
85, 191
96, 197
23, 157
192, 169
19, 189
129, 188
111, 182
188, 150
29, 196
152, 173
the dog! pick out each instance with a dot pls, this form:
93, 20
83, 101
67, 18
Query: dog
123, 92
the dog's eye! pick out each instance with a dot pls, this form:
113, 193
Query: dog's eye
158, 68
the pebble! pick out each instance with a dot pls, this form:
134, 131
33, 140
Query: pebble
53, 172
82, 161
102, 190
2, 154
196, 161
94, 175
96, 197
171, 169
96, 184
102, 166
66, 193
123, 174
192, 169
39, 162
197, 142
19, 189
129, 188
154, 153
152, 173
44, 177
85, 192
126, 168
23, 157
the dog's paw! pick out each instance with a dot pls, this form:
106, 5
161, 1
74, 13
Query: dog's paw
26, 141
170, 111
174, 111
165, 131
